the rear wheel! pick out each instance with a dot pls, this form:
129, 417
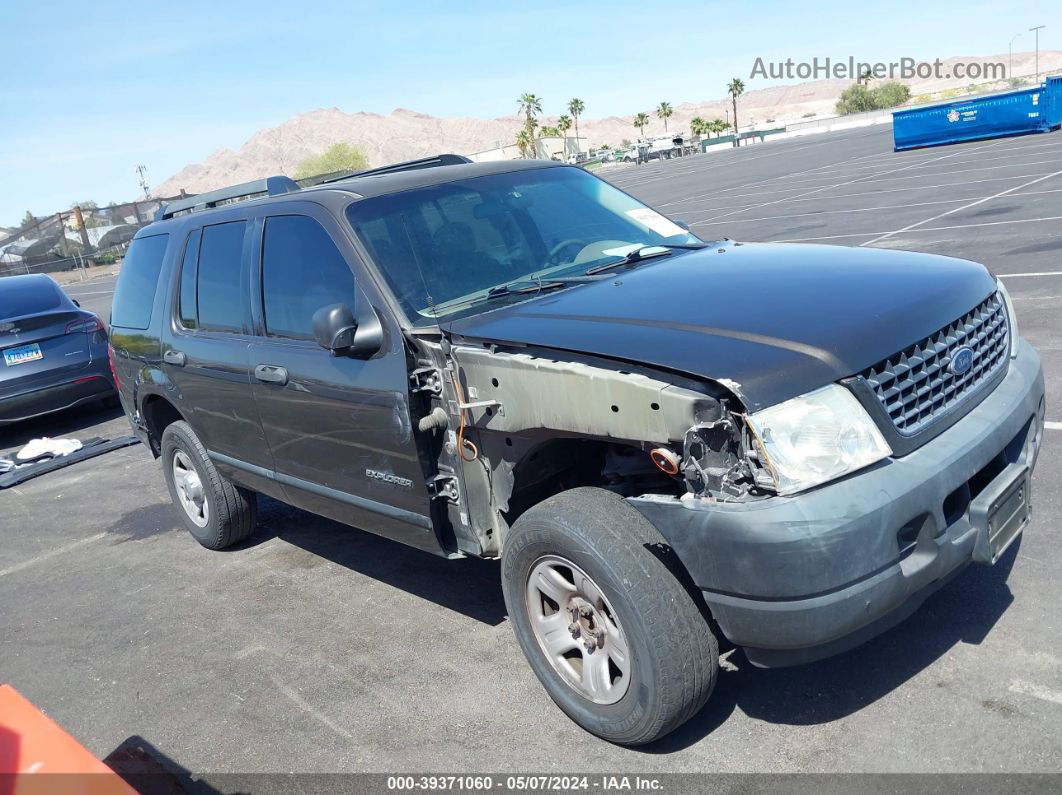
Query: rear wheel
217, 512
613, 635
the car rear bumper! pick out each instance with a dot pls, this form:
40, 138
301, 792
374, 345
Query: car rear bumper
89, 384
795, 579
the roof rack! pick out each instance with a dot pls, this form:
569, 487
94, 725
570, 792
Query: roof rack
270, 186
409, 165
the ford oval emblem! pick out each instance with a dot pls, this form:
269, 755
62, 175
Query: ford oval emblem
961, 361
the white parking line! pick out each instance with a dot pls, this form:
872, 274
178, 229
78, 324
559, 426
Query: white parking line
758, 183
1053, 426
862, 193
909, 227
853, 181
968, 206
1033, 273
819, 213
1035, 690
50, 554
1028, 153
949, 172
882, 235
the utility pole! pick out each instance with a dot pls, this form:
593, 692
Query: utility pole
1037, 30
80, 218
141, 171
1010, 55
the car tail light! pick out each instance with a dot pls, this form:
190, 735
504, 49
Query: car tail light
110, 360
84, 326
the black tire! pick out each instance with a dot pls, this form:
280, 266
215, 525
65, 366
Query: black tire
232, 510
674, 655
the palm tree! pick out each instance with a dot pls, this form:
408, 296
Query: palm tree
664, 111
530, 105
524, 142
735, 90
640, 121
576, 108
564, 123
549, 132
698, 126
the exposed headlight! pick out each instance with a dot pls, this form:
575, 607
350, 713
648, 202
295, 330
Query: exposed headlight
816, 438
1012, 318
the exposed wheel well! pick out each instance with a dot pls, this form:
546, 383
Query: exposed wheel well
559, 464
158, 413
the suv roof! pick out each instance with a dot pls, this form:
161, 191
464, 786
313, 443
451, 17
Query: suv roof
374, 182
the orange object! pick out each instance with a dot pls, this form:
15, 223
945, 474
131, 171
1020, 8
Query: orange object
38, 757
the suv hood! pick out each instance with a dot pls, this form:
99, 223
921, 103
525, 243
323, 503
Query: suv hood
769, 320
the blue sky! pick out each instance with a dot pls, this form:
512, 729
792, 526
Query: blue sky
89, 90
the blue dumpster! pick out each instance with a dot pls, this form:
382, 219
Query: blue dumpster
1024, 111
1053, 88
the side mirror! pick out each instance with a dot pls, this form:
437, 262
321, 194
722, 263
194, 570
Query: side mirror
681, 224
334, 327
337, 330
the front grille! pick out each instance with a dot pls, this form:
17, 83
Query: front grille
916, 385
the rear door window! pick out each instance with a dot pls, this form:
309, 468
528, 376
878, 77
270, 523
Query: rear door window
218, 284
302, 271
134, 294
187, 311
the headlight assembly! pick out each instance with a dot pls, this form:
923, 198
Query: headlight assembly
1012, 319
816, 438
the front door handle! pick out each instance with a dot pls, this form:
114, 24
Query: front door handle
271, 374
174, 357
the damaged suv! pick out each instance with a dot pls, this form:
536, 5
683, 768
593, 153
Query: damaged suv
667, 442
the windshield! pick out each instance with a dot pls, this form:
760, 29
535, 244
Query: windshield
442, 248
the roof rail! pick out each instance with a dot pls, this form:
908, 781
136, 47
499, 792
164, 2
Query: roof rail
270, 186
409, 165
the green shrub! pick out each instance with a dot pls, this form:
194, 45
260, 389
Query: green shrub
338, 157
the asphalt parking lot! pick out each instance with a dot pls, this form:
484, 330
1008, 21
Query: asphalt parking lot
315, 647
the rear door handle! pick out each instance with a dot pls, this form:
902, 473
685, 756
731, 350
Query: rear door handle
271, 374
174, 357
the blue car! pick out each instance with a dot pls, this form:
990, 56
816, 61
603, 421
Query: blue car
54, 353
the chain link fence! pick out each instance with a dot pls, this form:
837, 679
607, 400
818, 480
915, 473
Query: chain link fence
76, 238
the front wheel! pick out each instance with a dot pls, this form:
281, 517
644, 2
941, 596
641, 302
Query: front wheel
613, 635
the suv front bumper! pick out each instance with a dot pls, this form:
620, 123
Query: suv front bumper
796, 579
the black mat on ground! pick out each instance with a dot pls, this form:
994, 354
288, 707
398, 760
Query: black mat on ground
90, 449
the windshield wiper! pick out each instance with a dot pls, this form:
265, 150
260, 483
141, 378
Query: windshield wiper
643, 253
538, 285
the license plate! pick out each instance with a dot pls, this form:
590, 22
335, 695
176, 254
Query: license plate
1007, 514
22, 354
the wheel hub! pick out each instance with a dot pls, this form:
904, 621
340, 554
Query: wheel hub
577, 630
189, 487
585, 625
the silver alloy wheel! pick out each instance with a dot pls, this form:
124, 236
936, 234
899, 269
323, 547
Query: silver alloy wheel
190, 489
578, 630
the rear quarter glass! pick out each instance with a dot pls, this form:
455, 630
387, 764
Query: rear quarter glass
134, 294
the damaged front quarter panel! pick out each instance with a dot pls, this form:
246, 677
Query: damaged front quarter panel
524, 398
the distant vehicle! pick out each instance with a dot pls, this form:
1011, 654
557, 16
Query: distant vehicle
575, 158
54, 352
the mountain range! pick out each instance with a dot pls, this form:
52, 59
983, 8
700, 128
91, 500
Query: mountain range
406, 134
